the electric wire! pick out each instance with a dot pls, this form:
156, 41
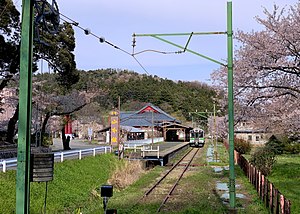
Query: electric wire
101, 39
156, 51
140, 64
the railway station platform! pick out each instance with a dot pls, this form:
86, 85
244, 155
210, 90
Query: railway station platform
161, 153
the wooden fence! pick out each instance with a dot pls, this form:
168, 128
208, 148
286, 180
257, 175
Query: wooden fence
270, 196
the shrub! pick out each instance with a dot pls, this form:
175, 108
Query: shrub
276, 145
242, 146
292, 148
264, 159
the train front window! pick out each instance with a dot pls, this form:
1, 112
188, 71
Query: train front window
192, 134
201, 134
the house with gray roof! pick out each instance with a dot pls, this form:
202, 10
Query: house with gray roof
150, 118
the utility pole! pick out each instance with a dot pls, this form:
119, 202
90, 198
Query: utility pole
215, 134
25, 98
152, 128
230, 106
120, 146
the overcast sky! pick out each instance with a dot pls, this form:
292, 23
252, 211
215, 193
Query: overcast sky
117, 20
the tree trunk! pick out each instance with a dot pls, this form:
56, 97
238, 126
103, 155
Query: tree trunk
47, 117
65, 140
11, 126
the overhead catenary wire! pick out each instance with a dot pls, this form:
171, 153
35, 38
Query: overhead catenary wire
101, 39
162, 52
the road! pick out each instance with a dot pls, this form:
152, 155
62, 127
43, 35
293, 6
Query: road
74, 144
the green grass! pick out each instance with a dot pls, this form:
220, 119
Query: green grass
201, 196
286, 177
71, 188
76, 184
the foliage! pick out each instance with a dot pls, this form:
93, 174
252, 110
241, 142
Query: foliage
58, 52
263, 159
136, 90
292, 148
275, 145
242, 146
47, 140
267, 72
9, 42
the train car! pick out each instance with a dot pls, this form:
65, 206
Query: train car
197, 138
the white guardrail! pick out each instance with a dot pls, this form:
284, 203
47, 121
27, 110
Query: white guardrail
12, 162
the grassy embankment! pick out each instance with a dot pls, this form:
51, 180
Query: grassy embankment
72, 187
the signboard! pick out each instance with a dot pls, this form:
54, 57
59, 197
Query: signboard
114, 128
41, 167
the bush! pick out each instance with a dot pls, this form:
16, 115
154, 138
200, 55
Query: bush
276, 145
264, 159
242, 146
292, 148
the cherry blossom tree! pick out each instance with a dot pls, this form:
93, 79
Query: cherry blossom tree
267, 72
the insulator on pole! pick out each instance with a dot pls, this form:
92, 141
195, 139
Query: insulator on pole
87, 31
102, 39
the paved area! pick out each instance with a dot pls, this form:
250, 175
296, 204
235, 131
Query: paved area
74, 144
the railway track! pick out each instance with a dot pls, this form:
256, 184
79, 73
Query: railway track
159, 191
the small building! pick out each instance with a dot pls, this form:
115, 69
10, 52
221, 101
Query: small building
150, 121
156, 123
246, 130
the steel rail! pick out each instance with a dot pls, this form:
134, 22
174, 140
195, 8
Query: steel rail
165, 175
176, 183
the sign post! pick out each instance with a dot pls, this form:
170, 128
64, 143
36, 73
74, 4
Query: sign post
114, 128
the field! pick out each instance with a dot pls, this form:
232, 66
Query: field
286, 177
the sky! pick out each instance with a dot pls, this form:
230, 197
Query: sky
117, 20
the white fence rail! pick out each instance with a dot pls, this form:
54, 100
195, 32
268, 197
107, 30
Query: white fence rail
150, 149
132, 143
60, 156
143, 145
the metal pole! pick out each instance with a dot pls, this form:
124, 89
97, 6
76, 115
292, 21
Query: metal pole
230, 106
178, 34
25, 97
152, 128
215, 134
